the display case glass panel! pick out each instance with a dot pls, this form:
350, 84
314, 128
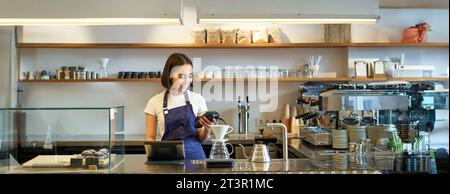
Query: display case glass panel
54, 140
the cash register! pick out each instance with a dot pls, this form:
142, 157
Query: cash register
164, 152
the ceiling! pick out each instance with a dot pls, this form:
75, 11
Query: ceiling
431, 4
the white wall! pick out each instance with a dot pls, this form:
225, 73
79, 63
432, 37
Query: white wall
5, 65
389, 28
135, 95
393, 21
5, 84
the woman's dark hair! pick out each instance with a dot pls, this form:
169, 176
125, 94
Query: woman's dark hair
175, 59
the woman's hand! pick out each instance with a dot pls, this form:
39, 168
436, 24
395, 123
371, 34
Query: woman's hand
203, 132
205, 122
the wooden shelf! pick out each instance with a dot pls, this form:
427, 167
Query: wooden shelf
219, 46
442, 79
202, 80
158, 45
338, 79
91, 81
392, 44
293, 79
363, 79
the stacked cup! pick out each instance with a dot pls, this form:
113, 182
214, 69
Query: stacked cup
356, 133
340, 139
340, 161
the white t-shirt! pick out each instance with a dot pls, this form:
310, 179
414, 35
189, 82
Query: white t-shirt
155, 107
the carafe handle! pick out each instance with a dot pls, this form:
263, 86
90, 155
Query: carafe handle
230, 130
232, 148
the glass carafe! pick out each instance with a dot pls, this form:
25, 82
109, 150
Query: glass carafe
219, 150
103, 70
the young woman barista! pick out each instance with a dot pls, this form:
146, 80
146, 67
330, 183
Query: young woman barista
171, 114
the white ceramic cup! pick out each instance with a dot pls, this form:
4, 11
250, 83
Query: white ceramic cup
221, 130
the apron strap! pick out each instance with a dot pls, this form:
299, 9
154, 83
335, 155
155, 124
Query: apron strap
165, 109
186, 97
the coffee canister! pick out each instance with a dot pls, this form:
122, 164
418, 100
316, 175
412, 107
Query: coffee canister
93, 75
134, 75
121, 75
88, 75
142, 75
127, 75
152, 74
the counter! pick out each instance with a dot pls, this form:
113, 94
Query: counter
320, 160
130, 140
135, 164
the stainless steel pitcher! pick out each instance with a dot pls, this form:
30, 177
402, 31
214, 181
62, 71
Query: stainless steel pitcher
260, 153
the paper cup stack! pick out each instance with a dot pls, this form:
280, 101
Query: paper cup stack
340, 139
356, 133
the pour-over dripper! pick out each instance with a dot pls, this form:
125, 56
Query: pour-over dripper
220, 131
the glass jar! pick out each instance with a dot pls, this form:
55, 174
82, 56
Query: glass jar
307, 71
225, 73
422, 142
292, 73
300, 73
238, 72
262, 73
274, 73
284, 73
82, 73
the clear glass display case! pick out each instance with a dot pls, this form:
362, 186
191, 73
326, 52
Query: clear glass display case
53, 140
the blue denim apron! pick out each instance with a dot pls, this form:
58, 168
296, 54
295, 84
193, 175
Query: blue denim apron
180, 125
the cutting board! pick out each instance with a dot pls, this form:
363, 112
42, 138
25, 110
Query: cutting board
49, 161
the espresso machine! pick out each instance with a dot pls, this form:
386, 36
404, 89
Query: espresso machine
410, 106
314, 131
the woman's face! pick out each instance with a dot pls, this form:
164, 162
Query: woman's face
181, 77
